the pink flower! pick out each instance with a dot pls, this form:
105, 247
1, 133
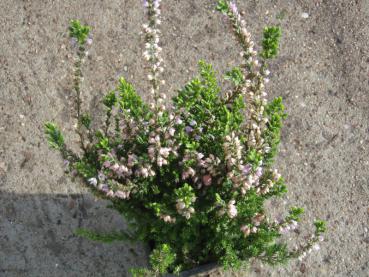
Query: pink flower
121, 194
245, 230
206, 179
165, 151
172, 131
283, 230
246, 169
257, 219
167, 218
106, 164
101, 176
191, 171
151, 151
110, 193
160, 162
180, 205
132, 159
233, 7
259, 172
103, 187
114, 167
144, 172
188, 129
232, 210
179, 121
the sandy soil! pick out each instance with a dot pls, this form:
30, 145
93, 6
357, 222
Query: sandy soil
322, 73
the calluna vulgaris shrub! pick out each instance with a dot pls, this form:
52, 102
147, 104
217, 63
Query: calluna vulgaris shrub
191, 179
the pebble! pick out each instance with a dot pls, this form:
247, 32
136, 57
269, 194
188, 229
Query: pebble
2, 167
125, 68
305, 15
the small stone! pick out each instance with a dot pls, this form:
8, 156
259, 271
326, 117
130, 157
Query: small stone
125, 68
305, 15
2, 166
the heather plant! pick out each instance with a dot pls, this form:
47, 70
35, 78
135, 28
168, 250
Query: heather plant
191, 178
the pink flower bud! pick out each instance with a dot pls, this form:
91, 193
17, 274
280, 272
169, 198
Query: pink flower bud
245, 230
110, 193
180, 205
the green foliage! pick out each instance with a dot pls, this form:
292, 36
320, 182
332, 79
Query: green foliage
105, 238
54, 136
270, 42
78, 31
276, 115
188, 180
276, 254
86, 120
185, 194
85, 168
162, 258
278, 189
236, 76
200, 100
141, 272
222, 6
110, 100
295, 214
320, 227
254, 158
130, 102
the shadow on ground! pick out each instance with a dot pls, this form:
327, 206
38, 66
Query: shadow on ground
37, 237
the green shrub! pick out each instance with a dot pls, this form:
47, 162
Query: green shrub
192, 178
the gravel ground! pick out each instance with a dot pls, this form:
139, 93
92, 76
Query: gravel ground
321, 72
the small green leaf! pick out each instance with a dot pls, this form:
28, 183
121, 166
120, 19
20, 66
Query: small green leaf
320, 226
100, 237
295, 214
161, 258
54, 136
270, 42
86, 120
104, 143
235, 75
110, 99
222, 6
79, 31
